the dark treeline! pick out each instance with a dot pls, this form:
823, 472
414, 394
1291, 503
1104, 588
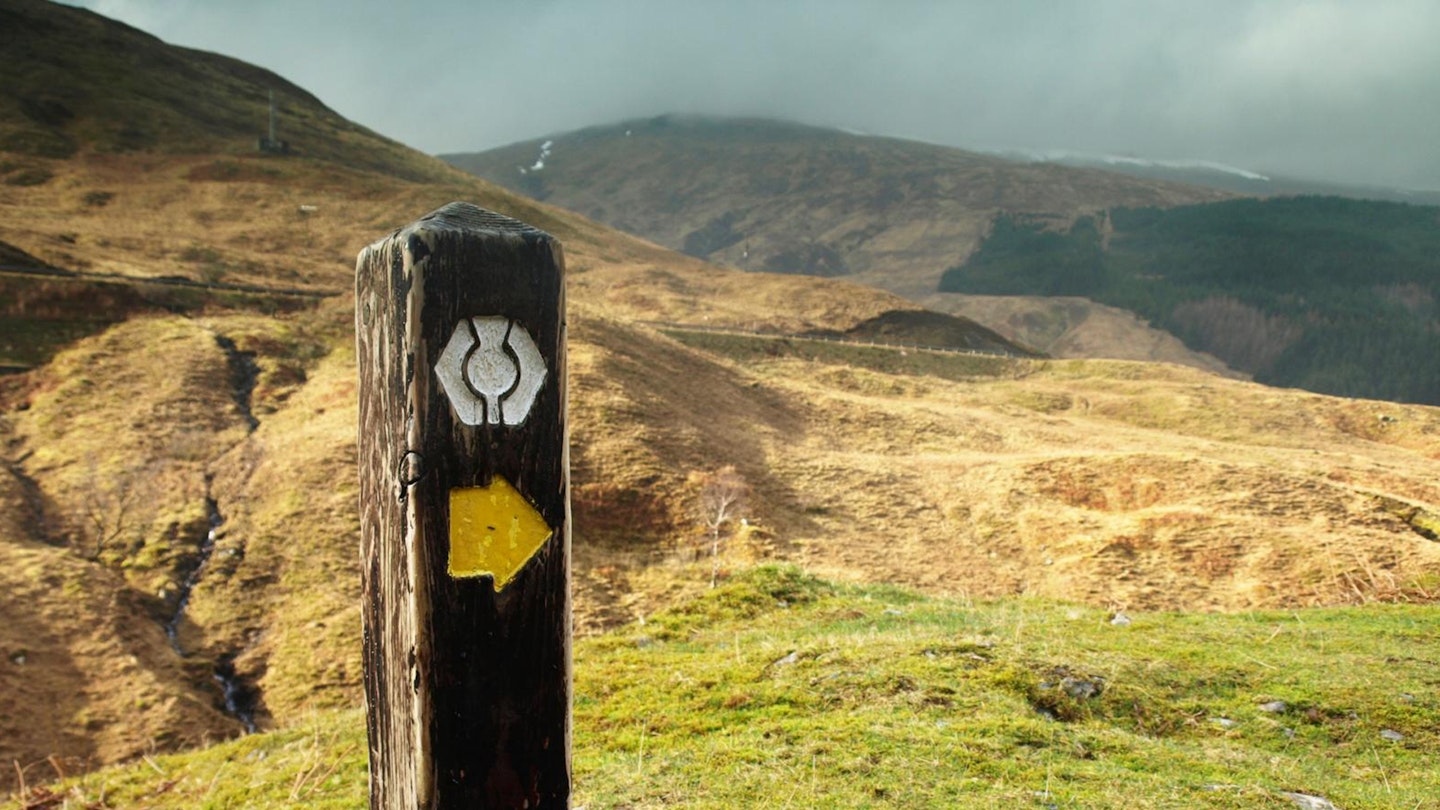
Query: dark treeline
1323, 293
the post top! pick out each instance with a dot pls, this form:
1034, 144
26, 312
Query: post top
463, 216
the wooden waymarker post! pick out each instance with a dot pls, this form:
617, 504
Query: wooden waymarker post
464, 513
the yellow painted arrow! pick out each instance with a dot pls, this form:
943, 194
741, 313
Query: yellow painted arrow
493, 530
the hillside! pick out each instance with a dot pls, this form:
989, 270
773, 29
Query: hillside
208, 394
1322, 293
786, 691
1220, 176
781, 197
177, 494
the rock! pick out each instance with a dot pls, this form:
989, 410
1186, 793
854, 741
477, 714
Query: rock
1307, 802
1224, 722
787, 660
1120, 620
1391, 735
894, 612
1082, 688
1274, 706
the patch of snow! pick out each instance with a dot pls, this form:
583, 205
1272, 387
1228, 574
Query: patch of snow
540, 161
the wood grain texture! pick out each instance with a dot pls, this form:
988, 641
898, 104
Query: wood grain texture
467, 690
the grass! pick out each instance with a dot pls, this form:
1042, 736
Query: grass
781, 690
885, 359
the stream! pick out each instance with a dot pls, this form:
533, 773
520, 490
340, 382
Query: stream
240, 698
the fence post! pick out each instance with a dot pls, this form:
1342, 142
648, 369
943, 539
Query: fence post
464, 513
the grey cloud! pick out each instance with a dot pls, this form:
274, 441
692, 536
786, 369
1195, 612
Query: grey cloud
1334, 89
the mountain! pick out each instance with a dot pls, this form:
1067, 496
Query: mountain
178, 523
781, 197
893, 214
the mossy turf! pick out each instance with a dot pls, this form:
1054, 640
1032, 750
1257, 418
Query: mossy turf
780, 690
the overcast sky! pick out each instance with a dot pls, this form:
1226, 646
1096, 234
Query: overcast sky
1343, 90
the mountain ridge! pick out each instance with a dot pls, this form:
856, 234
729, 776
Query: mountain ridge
765, 194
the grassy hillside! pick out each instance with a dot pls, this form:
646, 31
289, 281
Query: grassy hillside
768, 195
1322, 293
780, 690
177, 491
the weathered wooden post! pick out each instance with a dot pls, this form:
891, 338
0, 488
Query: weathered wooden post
464, 512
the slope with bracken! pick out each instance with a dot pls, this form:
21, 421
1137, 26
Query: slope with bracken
177, 499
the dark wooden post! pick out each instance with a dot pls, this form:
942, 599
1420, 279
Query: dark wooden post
464, 512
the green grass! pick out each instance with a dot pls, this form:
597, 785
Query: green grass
779, 690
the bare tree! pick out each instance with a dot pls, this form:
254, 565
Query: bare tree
107, 508
720, 497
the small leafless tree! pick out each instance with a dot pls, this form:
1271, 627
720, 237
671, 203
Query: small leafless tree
107, 508
720, 497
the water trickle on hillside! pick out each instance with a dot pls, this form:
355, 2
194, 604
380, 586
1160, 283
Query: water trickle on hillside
244, 373
240, 698
192, 577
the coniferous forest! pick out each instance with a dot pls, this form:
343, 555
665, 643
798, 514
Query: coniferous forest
1324, 293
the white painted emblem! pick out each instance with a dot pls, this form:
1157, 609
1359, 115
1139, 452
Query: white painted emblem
492, 371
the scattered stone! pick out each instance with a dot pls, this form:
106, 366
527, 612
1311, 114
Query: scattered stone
1407, 697
1307, 802
1288, 732
19, 658
1082, 688
1274, 706
787, 660
1391, 734
1120, 620
894, 612
1224, 722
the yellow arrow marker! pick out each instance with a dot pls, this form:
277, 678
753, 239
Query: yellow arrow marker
493, 530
